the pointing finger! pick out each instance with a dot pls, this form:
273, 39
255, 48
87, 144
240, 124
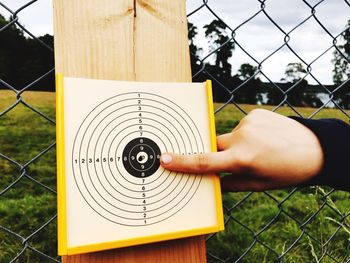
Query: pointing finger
199, 163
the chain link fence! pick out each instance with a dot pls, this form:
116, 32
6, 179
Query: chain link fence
290, 225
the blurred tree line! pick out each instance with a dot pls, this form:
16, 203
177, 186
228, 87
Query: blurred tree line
246, 87
341, 71
23, 60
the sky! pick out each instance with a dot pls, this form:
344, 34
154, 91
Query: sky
259, 36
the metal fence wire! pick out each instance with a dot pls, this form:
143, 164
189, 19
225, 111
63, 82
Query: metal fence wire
291, 225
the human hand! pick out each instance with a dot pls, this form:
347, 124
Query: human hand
265, 151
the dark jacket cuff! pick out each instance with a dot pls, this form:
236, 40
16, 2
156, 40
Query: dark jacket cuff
334, 137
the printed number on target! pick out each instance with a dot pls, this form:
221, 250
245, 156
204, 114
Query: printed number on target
112, 190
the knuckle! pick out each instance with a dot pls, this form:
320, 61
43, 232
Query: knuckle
256, 115
253, 118
202, 162
257, 112
246, 132
246, 163
242, 123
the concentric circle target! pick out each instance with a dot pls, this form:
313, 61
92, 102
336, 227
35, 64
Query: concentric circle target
141, 157
115, 158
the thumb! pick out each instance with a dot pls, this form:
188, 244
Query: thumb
198, 163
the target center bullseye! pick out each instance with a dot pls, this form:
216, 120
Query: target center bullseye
142, 157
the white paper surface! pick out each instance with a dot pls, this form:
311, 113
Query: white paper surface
105, 202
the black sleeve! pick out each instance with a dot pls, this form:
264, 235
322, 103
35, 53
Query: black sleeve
334, 137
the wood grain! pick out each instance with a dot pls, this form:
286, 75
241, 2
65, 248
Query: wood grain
161, 42
94, 39
143, 40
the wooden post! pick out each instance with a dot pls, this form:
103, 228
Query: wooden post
142, 40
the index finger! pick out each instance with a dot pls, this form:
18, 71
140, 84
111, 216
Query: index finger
198, 163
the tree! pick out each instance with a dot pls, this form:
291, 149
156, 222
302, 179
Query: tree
342, 58
221, 71
246, 71
298, 91
39, 61
250, 92
219, 39
294, 72
341, 71
12, 49
194, 49
192, 33
22, 60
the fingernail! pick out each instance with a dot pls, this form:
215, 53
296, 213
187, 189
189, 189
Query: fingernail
166, 158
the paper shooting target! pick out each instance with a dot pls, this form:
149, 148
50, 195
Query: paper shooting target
115, 158
112, 190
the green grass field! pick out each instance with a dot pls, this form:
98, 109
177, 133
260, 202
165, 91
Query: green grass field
26, 206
